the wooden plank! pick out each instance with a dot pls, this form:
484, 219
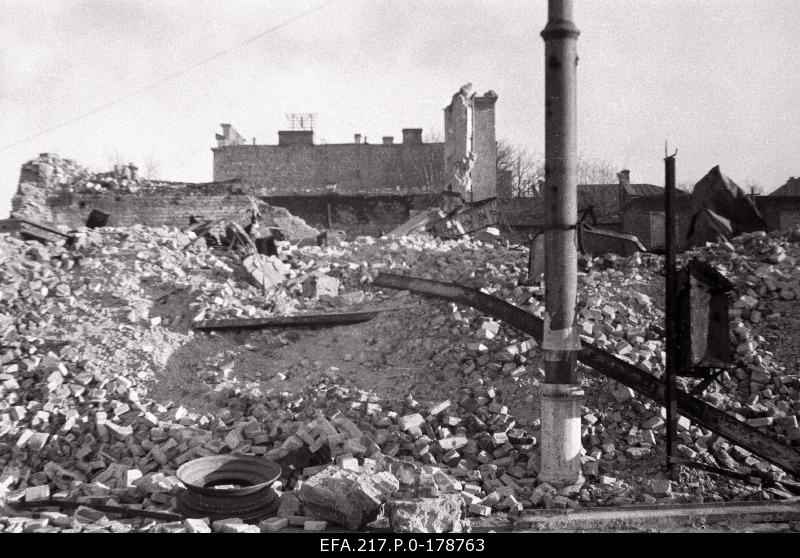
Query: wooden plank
43, 232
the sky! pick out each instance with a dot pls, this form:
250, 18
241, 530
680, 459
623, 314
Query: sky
149, 81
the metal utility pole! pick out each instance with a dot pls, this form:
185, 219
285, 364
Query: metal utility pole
561, 393
671, 308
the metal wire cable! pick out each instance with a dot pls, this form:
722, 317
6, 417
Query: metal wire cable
171, 77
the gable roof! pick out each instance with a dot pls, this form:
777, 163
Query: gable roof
791, 188
603, 198
644, 190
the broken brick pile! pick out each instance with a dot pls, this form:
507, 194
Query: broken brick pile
77, 423
65, 175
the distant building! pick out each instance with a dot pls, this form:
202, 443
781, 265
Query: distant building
791, 188
464, 163
636, 208
298, 166
781, 208
367, 188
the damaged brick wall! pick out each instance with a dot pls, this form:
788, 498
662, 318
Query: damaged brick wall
125, 209
58, 191
64, 193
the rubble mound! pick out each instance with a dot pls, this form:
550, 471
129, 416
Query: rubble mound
65, 175
106, 388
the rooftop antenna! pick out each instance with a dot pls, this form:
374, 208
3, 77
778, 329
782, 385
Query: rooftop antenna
301, 120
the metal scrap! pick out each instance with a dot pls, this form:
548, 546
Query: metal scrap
331, 319
223, 486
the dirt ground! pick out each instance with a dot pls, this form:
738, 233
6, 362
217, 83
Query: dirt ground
387, 358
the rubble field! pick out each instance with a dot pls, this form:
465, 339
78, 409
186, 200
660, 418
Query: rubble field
424, 418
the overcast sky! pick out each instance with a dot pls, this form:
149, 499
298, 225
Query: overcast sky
719, 79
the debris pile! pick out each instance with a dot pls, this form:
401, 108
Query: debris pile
425, 420
66, 175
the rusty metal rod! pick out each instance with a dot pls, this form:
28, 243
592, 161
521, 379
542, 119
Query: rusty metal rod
331, 319
702, 413
670, 310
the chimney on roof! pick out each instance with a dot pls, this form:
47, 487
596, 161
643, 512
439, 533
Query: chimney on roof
356, 138
295, 137
388, 140
624, 177
412, 135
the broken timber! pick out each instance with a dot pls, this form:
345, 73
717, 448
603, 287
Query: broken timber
124, 511
339, 318
43, 232
694, 409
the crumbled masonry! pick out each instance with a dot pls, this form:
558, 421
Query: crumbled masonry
424, 419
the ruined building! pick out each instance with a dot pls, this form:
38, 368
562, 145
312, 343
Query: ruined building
368, 188
360, 187
297, 165
465, 163
470, 146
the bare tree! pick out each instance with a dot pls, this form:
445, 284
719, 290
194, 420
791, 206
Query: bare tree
595, 170
753, 188
525, 166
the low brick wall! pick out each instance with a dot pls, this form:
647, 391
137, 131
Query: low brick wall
356, 215
59, 191
125, 209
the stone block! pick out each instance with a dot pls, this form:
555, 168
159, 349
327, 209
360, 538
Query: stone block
426, 515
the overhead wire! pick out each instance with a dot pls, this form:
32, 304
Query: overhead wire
171, 77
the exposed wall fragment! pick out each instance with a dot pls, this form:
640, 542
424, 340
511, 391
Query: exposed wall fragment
229, 136
470, 145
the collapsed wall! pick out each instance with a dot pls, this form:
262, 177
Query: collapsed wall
57, 190
62, 192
